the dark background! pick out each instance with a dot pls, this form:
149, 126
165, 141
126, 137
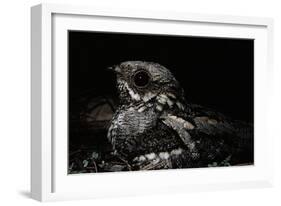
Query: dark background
214, 72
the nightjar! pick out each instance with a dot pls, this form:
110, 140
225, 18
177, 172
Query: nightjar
155, 127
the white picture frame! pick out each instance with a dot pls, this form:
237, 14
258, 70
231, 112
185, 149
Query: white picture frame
49, 178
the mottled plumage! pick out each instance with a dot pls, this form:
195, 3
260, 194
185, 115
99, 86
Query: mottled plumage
154, 127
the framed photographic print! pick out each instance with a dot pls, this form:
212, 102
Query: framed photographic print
137, 102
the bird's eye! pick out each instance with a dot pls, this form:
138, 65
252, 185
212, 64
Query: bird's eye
141, 78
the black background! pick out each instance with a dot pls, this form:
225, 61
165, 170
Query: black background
214, 72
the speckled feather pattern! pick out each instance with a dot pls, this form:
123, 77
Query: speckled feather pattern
154, 121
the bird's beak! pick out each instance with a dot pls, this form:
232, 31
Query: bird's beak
116, 69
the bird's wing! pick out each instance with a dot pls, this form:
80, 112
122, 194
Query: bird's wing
211, 134
221, 137
213, 123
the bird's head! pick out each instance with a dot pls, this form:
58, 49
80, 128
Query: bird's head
139, 81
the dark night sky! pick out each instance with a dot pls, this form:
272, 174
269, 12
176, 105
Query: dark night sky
214, 72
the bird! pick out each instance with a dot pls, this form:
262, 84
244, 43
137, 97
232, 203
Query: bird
155, 127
